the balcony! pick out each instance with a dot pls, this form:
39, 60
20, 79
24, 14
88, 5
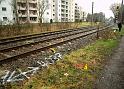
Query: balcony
32, 6
63, 16
63, 12
22, 15
33, 20
21, 8
32, 1
23, 20
21, 1
33, 15
63, 3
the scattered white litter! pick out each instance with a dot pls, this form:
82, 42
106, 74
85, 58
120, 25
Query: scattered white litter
18, 75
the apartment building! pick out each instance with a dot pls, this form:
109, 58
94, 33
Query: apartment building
71, 14
81, 14
57, 10
61, 11
67, 10
52, 11
27, 11
6, 12
77, 13
64, 10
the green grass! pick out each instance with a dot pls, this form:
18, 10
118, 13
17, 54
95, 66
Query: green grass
71, 72
122, 31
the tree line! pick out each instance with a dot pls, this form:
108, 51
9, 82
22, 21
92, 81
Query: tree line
97, 17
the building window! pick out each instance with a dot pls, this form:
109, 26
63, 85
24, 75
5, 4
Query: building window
33, 18
47, 13
13, 11
4, 18
53, 14
19, 11
53, 5
14, 19
3, 8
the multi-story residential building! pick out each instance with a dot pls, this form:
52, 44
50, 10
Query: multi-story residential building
77, 13
61, 11
64, 10
67, 10
6, 12
27, 11
71, 16
52, 11
57, 10
81, 14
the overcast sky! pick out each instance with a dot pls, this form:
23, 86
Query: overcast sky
99, 6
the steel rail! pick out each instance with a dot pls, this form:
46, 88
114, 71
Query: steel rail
44, 40
27, 37
51, 45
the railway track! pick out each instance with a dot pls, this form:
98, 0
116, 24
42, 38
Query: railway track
46, 41
15, 43
34, 36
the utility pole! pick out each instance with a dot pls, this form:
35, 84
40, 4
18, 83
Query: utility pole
92, 13
121, 12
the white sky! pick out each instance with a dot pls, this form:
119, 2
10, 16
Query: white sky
99, 6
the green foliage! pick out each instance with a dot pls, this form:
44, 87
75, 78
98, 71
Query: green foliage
97, 17
64, 75
69, 73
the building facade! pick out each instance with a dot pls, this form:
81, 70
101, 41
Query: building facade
27, 11
77, 13
6, 12
61, 11
71, 14
81, 14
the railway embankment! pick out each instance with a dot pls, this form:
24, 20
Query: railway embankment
78, 68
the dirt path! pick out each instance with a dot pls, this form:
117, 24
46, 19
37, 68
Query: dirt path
112, 77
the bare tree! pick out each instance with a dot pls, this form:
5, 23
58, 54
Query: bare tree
43, 5
115, 8
15, 11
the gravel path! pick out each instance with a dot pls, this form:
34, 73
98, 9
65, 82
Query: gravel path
112, 77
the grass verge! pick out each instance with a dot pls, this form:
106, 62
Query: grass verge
77, 70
